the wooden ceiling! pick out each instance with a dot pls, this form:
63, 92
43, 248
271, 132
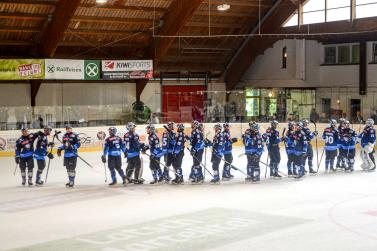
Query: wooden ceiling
126, 28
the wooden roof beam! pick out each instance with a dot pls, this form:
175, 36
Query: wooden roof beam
29, 2
125, 7
65, 9
179, 14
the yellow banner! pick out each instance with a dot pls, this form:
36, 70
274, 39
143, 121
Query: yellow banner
20, 69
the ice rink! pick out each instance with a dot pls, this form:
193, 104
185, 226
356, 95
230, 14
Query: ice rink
336, 211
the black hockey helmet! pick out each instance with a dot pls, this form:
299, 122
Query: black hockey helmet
112, 131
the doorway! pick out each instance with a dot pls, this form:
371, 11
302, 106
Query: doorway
355, 107
326, 107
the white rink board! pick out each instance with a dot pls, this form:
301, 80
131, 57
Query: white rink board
90, 133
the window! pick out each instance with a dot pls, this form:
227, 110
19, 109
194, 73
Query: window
338, 10
292, 21
366, 8
330, 55
252, 102
314, 12
355, 54
374, 59
342, 54
284, 58
320, 11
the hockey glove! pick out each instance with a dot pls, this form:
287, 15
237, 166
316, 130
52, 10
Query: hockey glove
50, 156
144, 148
59, 152
234, 140
17, 159
68, 146
192, 152
103, 158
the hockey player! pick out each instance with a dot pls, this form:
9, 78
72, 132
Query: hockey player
217, 152
309, 136
156, 154
339, 156
300, 149
272, 140
132, 148
197, 149
289, 147
331, 137
368, 141
41, 152
70, 145
113, 148
179, 153
348, 145
253, 142
228, 142
168, 143
24, 154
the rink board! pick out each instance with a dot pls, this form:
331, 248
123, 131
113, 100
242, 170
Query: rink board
90, 142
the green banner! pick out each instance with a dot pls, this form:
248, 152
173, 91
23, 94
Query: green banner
19, 69
92, 69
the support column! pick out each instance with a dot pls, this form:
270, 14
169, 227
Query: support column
34, 88
140, 85
363, 85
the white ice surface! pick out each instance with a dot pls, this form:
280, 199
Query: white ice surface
327, 211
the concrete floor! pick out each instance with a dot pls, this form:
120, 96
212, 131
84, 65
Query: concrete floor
323, 212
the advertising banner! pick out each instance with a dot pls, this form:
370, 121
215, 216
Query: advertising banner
21, 69
92, 69
72, 69
127, 69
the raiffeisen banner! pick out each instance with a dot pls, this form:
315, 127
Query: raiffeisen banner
21, 69
72, 69
127, 69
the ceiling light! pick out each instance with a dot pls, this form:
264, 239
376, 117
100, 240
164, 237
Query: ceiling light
101, 1
223, 7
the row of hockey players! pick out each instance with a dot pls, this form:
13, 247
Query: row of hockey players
339, 142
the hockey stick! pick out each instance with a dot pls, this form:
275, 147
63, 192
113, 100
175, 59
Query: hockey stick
77, 155
231, 165
51, 147
320, 160
268, 158
101, 136
360, 122
15, 170
316, 141
205, 160
159, 162
205, 156
200, 163
269, 166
